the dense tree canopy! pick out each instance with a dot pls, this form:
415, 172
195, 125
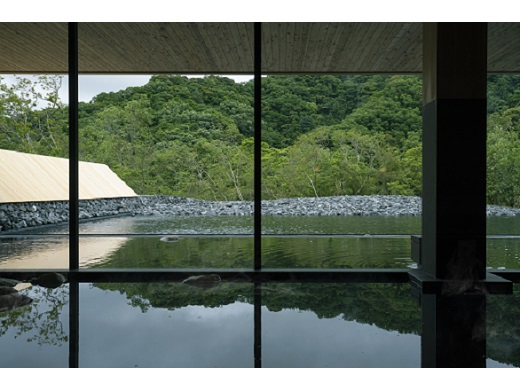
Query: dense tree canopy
321, 134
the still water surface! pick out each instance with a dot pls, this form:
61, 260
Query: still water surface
226, 242
176, 325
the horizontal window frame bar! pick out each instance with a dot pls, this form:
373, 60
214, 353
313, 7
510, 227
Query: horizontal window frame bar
239, 275
266, 275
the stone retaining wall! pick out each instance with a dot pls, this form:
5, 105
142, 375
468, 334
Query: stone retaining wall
29, 214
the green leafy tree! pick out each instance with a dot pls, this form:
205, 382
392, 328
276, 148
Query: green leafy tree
503, 159
321, 134
32, 118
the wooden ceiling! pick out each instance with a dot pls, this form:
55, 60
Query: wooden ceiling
227, 48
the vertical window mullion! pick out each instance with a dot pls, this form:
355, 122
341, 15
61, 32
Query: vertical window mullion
258, 146
73, 196
73, 148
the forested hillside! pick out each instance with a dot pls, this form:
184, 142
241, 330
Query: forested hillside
321, 135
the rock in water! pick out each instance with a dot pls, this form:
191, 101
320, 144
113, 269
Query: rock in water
170, 238
12, 301
50, 280
203, 281
8, 282
4, 290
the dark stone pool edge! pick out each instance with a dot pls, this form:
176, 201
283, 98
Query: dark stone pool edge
16, 216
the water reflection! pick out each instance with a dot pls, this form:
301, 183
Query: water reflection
503, 328
302, 325
219, 242
195, 330
36, 335
12, 299
52, 252
333, 342
229, 252
277, 252
340, 325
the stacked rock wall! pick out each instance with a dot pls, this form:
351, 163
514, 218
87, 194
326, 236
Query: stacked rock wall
29, 214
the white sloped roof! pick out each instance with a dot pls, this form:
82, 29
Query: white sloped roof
29, 177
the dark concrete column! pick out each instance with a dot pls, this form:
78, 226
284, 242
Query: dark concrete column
454, 150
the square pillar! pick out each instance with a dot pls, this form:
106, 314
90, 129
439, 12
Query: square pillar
453, 243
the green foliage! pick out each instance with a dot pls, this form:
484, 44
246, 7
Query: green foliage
503, 159
42, 321
322, 135
32, 119
503, 92
294, 105
394, 110
503, 140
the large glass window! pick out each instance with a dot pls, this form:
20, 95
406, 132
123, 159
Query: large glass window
303, 327
503, 159
35, 172
166, 325
341, 170
182, 144
167, 190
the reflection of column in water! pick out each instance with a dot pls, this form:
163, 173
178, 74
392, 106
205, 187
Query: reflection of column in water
454, 330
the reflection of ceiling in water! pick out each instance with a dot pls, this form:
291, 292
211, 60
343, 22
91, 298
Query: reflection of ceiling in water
53, 252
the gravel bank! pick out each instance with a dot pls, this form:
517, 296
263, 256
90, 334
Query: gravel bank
15, 216
332, 206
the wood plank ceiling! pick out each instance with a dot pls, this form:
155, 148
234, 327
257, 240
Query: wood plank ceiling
227, 48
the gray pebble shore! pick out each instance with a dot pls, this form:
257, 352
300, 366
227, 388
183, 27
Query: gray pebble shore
330, 206
22, 215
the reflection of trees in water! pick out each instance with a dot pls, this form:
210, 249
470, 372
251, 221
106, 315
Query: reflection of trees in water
503, 328
173, 296
41, 321
387, 306
236, 252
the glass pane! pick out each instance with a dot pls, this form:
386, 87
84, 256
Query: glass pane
157, 252
179, 146
341, 162
503, 252
342, 167
34, 326
34, 145
166, 325
503, 157
34, 252
503, 330
340, 325
336, 251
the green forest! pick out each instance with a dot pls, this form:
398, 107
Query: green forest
322, 135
